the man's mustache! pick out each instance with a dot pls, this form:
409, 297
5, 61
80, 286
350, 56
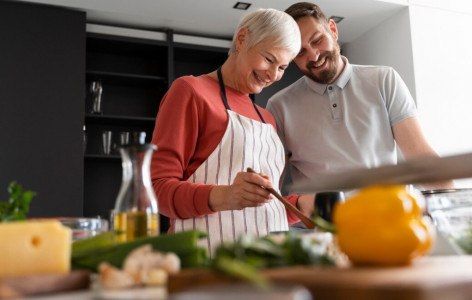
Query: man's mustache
312, 63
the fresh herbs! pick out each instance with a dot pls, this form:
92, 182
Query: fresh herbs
245, 257
17, 206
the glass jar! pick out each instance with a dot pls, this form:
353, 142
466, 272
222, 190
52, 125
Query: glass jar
136, 210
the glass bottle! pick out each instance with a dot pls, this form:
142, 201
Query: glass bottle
136, 210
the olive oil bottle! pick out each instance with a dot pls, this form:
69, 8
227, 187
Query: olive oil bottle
136, 224
136, 211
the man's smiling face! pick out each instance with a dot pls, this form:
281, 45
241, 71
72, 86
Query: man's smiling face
319, 57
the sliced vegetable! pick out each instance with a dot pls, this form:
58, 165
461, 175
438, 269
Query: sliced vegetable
240, 269
244, 258
82, 247
184, 244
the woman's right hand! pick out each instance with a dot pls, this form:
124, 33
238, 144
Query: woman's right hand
247, 190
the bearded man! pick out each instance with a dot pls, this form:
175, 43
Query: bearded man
340, 116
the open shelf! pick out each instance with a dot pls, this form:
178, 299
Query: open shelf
118, 120
135, 73
126, 78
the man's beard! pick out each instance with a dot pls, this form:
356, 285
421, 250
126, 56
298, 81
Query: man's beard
327, 75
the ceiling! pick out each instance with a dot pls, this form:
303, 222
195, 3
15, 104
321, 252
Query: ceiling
217, 18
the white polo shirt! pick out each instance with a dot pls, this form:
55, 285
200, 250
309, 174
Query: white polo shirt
347, 124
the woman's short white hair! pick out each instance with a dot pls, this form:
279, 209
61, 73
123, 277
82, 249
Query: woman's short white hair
270, 23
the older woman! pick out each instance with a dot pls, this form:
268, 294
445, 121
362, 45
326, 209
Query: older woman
209, 131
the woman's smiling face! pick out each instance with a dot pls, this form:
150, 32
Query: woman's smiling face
260, 66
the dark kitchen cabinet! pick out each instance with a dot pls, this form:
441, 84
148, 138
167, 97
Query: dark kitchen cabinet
49, 57
135, 72
42, 66
196, 59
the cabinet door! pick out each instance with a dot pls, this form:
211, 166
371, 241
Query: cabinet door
42, 58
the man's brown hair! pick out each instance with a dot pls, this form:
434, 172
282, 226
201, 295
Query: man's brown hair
307, 9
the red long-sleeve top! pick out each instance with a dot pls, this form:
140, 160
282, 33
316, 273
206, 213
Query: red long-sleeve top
190, 124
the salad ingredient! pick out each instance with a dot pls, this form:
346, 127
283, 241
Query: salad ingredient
17, 206
34, 247
383, 225
245, 257
105, 239
465, 242
144, 258
155, 277
102, 248
142, 266
114, 278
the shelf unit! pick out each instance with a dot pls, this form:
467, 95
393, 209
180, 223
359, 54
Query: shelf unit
135, 68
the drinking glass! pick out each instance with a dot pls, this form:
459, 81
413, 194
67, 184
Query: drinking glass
107, 141
96, 90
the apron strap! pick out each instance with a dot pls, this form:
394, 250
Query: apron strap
225, 100
222, 88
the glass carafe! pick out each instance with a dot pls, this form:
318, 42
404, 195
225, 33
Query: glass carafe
136, 210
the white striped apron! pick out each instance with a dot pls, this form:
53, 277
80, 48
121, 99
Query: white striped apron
246, 143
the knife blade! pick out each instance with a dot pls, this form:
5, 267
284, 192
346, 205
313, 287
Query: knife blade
414, 171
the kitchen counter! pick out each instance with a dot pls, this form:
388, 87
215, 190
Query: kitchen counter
155, 293
428, 278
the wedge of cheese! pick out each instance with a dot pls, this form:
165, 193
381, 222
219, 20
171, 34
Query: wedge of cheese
34, 247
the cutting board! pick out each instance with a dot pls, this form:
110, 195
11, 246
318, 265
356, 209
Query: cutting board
431, 278
42, 284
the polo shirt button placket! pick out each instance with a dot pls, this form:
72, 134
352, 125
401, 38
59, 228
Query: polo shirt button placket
335, 111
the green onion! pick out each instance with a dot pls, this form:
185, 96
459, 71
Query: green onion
90, 253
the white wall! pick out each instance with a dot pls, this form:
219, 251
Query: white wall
387, 44
442, 48
430, 45
442, 52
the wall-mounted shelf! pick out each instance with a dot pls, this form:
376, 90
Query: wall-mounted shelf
117, 120
101, 157
126, 78
135, 68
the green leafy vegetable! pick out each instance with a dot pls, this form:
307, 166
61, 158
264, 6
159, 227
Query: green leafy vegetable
244, 258
17, 206
323, 224
240, 269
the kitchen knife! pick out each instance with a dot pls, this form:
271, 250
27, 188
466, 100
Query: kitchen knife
414, 171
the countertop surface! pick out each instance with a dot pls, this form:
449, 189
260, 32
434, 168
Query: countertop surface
428, 278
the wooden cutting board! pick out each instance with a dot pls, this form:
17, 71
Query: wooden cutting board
431, 277
43, 284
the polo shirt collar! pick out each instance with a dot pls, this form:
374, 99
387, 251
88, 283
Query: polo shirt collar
341, 82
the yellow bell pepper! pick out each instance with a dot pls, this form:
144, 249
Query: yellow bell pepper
383, 225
